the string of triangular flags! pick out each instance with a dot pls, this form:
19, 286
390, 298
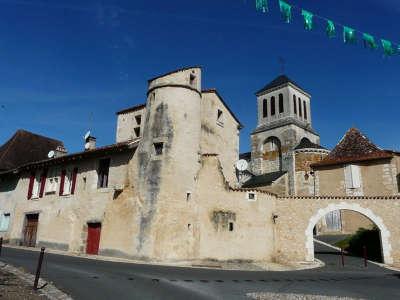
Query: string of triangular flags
349, 34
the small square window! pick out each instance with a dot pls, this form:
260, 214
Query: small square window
251, 196
230, 226
158, 148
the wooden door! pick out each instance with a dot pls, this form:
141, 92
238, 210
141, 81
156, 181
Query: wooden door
93, 238
30, 231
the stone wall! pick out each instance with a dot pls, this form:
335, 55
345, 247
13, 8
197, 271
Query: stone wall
298, 216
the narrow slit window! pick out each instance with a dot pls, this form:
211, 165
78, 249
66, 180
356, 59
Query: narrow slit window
188, 196
295, 104
272, 106
192, 79
138, 119
220, 116
230, 226
158, 148
280, 103
137, 131
300, 113
265, 108
305, 110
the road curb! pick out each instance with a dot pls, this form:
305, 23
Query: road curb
48, 290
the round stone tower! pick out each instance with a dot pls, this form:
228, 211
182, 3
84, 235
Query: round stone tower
168, 160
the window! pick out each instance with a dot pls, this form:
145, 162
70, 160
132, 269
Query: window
352, 176
295, 104
251, 196
5, 222
300, 114
68, 181
52, 182
138, 119
137, 131
272, 106
265, 108
192, 79
188, 196
158, 148
305, 110
103, 171
230, 226
36, 186
280, 103
220, 117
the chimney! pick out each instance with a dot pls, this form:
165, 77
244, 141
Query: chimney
90, 143
60, 151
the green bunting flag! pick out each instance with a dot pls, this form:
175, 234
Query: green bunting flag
262, 5
286, 10
369, 41
349, 35
388, 48
308, 19
330, 29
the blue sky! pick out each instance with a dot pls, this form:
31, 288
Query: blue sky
65, 61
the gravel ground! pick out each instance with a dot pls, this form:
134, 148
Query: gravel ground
270, 296
13, 288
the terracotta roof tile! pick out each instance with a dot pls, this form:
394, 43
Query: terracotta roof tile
25, 147
353, 147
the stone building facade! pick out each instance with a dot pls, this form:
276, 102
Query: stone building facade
167, 190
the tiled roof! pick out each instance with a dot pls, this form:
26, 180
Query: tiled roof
105, 150
278, 81
25, 147
353, 147
305, 143
263, 180
130, 109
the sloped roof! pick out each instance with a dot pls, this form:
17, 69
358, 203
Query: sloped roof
130, 109
353, 147
263, 180
305, 143
278, 81
25, 147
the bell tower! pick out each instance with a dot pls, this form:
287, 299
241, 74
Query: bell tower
284, 118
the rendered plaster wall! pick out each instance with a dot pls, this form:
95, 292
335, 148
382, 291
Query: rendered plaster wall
220, 138
63, 219
126, 124
377, 177
252, 237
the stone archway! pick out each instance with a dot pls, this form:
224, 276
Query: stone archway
385, 234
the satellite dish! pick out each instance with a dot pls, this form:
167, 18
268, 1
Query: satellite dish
87, 135
87, 146
242, 165
51, 154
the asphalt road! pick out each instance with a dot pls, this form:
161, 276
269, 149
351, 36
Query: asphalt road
92, 279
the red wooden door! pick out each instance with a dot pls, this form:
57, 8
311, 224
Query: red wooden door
93, 239
30, 230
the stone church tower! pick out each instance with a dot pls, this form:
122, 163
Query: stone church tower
284, 119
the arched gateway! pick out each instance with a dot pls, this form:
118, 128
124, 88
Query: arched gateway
295, 218
384, 232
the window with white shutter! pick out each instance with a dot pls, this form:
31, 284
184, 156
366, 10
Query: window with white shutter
36, 186
5, 222
352, 176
